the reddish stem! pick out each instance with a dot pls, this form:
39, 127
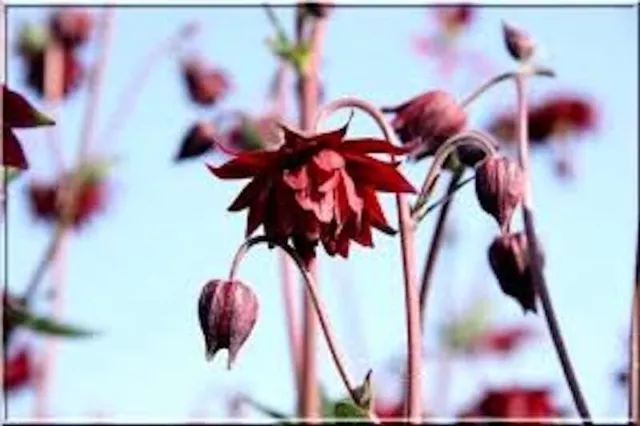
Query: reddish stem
536, 267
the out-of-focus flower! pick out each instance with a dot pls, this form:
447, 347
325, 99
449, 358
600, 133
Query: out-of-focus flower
499, 188
45, 200
558, 116
519, 44
72, 70
71, 26
17, 113
256, 133
453, 19
317, 9
515, 403
206, 85
199, 140
511, 264
427, 121
389, 411
320, 188
227, 311
33, 39
502, 341
18, 370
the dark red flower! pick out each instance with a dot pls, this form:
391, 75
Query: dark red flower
227, 311
503, 341
427, 121
316, 188
72, 71
511, 264
45, 201
18, 370
558, 116
206, 85
453, 19
199, 140
515, 403
71, 27
17, 113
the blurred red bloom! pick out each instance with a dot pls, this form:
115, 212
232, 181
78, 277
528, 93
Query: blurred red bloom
555, 117
453, 19
18, 370
72, 71
515, 403
17, 113
389, 411
503, 341
71, 27
316, 188
45, 202
206, 85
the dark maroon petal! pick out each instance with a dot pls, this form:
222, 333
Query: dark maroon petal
12, 153
331, 139
256, 216
374, 211
373, 146
296, 179
380, 175
19, 113
245, 165
249, 193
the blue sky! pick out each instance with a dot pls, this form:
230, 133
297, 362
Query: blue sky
135, 274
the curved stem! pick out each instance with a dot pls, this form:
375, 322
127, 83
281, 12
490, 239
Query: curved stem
318, 305
405, 224
436, 244
536, 266
443, 199
470, 137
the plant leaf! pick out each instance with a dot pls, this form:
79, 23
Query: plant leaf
19, 316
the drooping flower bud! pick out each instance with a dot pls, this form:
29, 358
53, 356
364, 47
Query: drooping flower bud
499, 188
519, 44
228, 311
511, 264
428, 121
206, 85
199, 140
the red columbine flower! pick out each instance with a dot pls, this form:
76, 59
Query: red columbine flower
72, 71
17, 113
71, 27
316, 188
206, 85
199, 140
427, 121
503, 341
45, 201
18, 370
515, 403
454, 19
558, 116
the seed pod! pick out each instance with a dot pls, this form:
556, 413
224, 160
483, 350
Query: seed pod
510, 262
228, 311
428, 121
499, 188
519, 44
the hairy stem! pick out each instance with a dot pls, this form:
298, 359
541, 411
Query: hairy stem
307, 85
405, 223
317, 304
436, 244
536, 266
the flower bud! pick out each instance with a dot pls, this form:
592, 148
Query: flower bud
428, 121
510, 262
72, 27
199, 140
519, 44
228, 311
499, 188
206, 85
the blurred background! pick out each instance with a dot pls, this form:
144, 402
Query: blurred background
157, 226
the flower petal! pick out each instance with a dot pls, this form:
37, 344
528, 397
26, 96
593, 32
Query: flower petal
328, 160
296, 179
373, 211
254, 190
373, 146
245, 165
12, 153
19, 113
378, 174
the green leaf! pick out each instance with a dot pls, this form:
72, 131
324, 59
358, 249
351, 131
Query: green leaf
346, 409
19, 316
461, 332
